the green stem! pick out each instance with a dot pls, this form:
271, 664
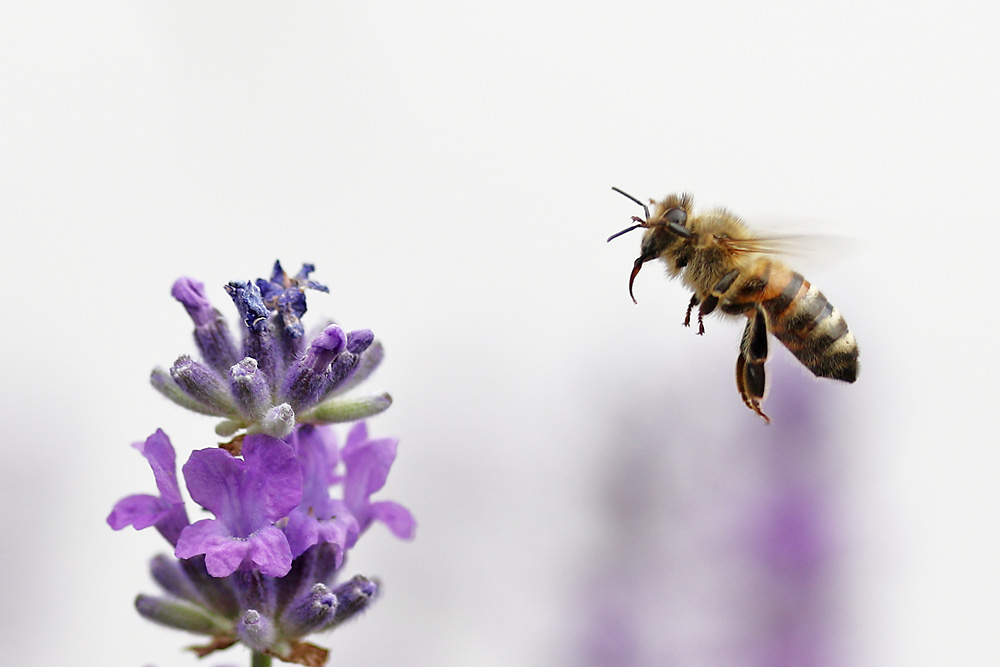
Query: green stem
260, 660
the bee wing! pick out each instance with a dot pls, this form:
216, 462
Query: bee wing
811, 249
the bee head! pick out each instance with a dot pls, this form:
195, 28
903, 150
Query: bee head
662, 230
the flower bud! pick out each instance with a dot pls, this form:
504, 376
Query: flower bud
353, 597
311, 611
181, 614
211, 333
250, 388
167, 572
370, 360
337, 410
203, 385
163, 383
256, 631
305, 381
279, 421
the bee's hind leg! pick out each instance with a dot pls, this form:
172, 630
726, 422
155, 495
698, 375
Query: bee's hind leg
750, 376
712, 300
687, 316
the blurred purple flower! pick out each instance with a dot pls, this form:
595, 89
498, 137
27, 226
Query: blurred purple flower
739, 569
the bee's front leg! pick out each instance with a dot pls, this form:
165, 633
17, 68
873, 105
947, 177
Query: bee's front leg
712, 300
750, 376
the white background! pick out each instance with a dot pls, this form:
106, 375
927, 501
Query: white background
448, 167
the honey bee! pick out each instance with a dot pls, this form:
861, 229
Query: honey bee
736, 273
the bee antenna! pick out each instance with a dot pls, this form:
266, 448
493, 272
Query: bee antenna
644, 207
625, 231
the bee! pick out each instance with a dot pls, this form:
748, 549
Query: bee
733, 272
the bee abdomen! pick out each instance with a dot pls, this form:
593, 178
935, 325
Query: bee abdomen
813, 329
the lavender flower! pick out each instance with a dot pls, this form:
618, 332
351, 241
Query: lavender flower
286, 501
246, 496
279, 380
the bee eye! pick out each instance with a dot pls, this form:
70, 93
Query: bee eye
676, 216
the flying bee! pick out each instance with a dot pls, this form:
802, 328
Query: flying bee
736, 273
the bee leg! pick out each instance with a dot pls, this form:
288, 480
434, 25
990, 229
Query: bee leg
712, 300
750, 376
691, 304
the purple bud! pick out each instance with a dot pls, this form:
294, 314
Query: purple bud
353, 597
255, 591
325, 348
250, 388
304, 385
203, 385
258, 342
327, 559
217, 592
370, 360
256, 631
163, 383
191, 293
250, 305
346, 363
167, 572
211, 334
310, 612
359, 340
342, 368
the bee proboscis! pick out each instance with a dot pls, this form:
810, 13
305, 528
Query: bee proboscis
734, 272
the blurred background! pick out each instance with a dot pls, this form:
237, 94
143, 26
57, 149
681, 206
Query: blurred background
588, 486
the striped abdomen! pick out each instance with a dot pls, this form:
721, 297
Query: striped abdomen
802, 319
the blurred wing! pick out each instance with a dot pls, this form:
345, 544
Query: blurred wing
769, 245
810, 249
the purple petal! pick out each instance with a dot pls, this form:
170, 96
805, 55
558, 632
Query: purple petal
166, 511
160, 455
266, 550
316, 448
246, 495
396, 517
275, 481
368, 466
301, 531
212, 478
304, 530
356, 436
269, 551
139, 511
223, 553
